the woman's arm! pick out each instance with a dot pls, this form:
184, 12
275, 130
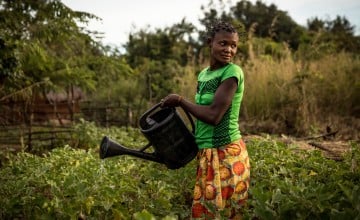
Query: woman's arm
211, 114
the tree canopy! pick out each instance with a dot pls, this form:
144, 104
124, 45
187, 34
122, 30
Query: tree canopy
43, 45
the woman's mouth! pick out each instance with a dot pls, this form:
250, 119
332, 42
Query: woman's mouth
226, 57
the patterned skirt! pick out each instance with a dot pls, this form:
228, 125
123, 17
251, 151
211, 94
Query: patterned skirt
222, 182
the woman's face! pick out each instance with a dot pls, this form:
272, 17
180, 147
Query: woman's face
223, 47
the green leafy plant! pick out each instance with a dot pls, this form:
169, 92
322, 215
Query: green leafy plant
69, 183
288, 183
73, 183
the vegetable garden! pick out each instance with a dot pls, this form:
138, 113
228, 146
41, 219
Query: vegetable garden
69, 183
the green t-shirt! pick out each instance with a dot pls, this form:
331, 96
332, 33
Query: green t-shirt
227, 131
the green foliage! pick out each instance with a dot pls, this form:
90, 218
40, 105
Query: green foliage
70, 183
88, 135
170, 43
159, 58
158, 79
8, 61
337, 32
51, 50
115, 81
270, 21
286, 183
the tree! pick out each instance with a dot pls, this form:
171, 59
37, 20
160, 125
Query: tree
270, 22
161, 44
50, 48
159, 57
343, 33
315, 24
338, 32
8, 61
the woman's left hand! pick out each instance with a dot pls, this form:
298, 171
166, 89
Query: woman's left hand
172, 100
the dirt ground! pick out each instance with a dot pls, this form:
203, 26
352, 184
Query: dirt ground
332, 149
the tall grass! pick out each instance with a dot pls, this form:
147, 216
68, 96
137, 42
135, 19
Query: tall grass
303, 97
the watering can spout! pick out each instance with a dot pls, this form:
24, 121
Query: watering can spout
109, 148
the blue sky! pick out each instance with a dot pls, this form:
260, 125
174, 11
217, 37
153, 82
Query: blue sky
120, 17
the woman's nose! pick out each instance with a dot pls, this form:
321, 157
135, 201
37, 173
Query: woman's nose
227, 49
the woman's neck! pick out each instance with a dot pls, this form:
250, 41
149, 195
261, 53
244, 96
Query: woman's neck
216, 66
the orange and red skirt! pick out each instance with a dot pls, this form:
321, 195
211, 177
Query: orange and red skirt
222, 182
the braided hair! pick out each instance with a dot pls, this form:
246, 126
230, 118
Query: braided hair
218, 26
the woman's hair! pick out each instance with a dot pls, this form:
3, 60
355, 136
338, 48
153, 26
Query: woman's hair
218, 26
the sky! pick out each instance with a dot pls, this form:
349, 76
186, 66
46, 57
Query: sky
122, 17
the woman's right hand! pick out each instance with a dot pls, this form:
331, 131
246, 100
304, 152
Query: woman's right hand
172, 100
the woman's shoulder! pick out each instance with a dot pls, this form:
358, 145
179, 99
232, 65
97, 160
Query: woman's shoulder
234, 67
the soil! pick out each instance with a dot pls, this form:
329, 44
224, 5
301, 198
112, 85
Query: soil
331, 149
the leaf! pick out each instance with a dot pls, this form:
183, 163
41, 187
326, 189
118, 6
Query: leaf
144, 215
276, 197
312, 173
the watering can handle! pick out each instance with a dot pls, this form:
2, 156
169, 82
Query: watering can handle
191, 120
148, 112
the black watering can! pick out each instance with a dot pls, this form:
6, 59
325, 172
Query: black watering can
174, 145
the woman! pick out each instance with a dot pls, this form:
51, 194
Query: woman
223, 172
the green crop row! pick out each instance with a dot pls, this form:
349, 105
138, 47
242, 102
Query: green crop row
69, 183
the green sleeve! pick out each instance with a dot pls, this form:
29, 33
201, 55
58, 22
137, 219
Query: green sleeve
233, 71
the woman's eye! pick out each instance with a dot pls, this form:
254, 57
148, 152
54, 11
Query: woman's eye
223, 44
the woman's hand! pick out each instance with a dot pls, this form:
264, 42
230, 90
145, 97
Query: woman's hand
172, 100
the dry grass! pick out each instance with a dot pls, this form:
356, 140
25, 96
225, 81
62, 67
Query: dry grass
303, 97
